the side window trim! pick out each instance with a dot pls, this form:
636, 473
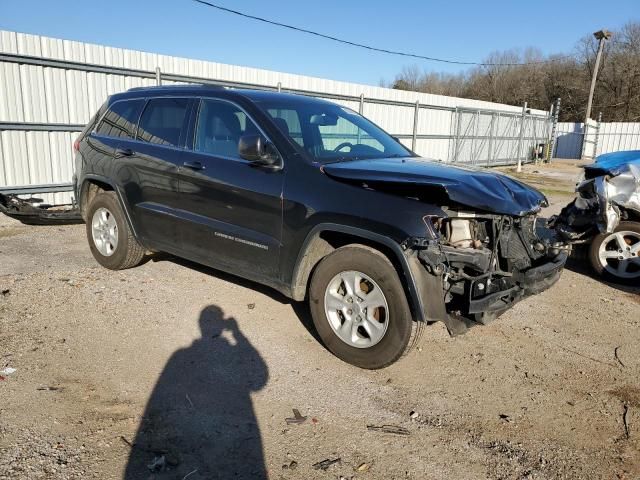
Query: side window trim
184, 131
196, 127
144, 107
190, 140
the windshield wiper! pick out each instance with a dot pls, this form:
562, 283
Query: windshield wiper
377, 157
342, 159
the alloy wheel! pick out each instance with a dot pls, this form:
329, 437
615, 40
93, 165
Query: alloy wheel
619, 254
356, 309
104, 230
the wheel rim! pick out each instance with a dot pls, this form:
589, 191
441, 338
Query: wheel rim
356, 309
104, 230
619, 254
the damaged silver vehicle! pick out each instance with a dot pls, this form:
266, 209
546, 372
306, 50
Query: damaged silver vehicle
605, 216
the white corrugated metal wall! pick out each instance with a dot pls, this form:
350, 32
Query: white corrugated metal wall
55, 95
611, 137
617, 136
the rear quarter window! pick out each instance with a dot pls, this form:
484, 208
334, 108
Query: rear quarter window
121, 119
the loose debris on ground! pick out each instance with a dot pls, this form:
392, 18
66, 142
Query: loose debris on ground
90, 346
396, 430
325, 464
297, 418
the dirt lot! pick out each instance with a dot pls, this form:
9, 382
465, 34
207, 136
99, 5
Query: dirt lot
195, 371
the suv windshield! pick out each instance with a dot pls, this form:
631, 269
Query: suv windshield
329, 132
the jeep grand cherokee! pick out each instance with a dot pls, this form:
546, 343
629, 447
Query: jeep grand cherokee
314, 200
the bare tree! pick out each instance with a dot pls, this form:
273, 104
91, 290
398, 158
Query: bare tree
539, 79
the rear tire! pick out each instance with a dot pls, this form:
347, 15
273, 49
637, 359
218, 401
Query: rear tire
616, 256
110, 239
369, 325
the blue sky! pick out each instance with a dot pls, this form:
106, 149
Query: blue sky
463, 30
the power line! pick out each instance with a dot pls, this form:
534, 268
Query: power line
369, 47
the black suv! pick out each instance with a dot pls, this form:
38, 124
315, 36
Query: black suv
314, 200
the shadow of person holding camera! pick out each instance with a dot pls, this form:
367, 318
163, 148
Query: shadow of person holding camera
199, 420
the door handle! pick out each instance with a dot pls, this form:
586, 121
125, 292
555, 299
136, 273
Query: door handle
123, 152
194, 165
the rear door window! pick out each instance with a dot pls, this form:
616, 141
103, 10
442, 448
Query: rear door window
163, 121
121, 119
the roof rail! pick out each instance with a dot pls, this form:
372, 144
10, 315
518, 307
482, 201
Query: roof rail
174, 87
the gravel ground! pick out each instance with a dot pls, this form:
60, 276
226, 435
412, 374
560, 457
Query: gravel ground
174, 371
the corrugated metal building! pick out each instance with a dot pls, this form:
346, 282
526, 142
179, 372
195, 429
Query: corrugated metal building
43, 103
601, 138
617, 136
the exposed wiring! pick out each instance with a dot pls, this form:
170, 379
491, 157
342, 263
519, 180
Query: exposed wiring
369, 47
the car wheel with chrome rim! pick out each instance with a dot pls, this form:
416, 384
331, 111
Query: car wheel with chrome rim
616, 255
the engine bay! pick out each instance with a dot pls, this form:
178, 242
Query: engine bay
485, 260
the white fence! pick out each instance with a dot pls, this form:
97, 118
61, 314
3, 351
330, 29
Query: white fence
49, 88
617, 136
601, 138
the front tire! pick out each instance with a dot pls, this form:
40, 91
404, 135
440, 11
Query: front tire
359, 307
110, 239
616, 255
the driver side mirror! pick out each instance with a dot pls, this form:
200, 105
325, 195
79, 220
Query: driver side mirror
255, 149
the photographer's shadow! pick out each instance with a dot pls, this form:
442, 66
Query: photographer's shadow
199, 420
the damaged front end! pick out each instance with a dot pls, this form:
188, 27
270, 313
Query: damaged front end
485, 251
488, 262
608, 194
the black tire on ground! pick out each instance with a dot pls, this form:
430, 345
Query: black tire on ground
128, 252
401, 329
594, 258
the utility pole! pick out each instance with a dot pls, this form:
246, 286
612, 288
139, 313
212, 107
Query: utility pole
522, 119
601, 35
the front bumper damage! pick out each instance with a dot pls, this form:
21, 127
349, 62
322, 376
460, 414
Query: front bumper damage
530, 282
28, 213
504, 260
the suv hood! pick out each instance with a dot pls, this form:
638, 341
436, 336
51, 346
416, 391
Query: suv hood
478, 189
